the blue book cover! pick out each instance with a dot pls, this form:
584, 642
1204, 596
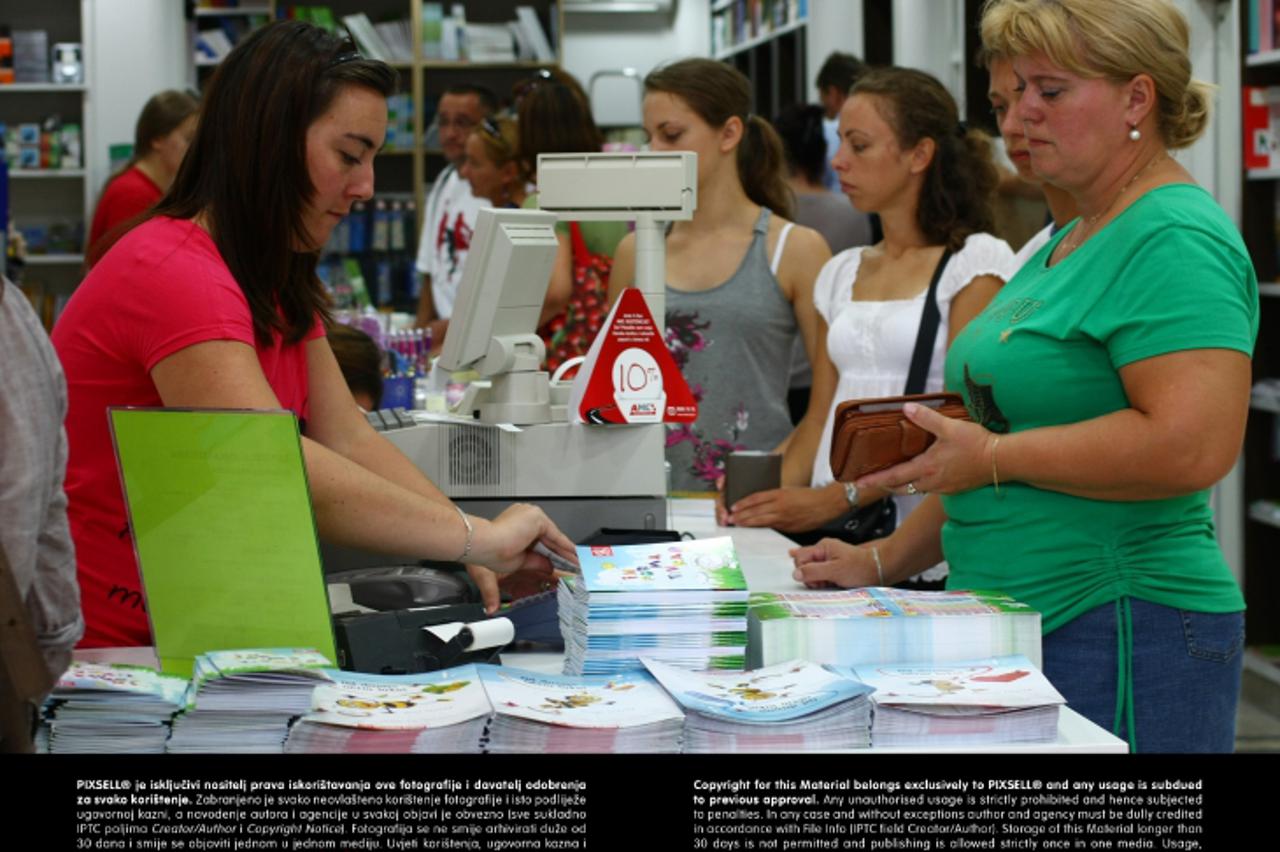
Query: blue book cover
779, 693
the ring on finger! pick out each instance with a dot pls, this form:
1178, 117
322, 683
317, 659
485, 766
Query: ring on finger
911, 489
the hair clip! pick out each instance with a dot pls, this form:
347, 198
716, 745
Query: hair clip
343, 58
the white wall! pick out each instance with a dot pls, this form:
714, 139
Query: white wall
833, 25
134, 48
929, 35
609, 42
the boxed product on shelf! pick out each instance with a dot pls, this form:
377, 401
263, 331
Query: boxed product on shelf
30, 56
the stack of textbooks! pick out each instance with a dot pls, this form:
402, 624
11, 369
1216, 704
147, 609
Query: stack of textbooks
243, 701
881, 625
976, 703
544, 714
788, 707
434, 712
113, 708
682, 603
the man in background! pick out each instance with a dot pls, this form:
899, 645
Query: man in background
835, 78
449, 215
39, 595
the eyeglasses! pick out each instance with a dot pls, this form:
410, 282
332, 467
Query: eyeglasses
462, 122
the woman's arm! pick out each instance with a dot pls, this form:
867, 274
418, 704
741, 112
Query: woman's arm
970, 302
400, 513
561, 287
915, 546
802, 259
1181, 433
623, 274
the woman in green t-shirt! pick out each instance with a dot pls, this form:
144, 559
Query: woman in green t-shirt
1109, 384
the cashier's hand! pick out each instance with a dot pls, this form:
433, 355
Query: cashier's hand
790, 509
959, 460
834, 563
506, 543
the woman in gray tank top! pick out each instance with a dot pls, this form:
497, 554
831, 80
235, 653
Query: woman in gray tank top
739, 277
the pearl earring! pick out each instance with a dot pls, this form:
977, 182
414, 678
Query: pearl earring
1135, 134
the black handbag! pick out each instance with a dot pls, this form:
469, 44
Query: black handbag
879, 519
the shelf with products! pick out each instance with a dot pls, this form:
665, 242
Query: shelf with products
765, 40
41, 88
37, 174
1260, 83
1265, 512
369, 258
43, 140
216, 28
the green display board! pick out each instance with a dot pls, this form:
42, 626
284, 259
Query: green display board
223, 528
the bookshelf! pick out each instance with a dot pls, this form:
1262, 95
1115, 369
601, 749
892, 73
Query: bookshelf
410, 160
765, 40
1259, 223
50, 201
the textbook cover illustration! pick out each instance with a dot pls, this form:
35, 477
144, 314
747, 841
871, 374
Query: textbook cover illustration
708, 564
289, 662
395, 702
1010, 681
120, 684
617, 701
685, 601
977, 702
779, 693
882, 625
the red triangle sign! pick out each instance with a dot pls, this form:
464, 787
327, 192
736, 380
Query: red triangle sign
628, 375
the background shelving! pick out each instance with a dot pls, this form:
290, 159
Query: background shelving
50, 203
1262, 440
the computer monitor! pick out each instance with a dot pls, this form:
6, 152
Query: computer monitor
494, 325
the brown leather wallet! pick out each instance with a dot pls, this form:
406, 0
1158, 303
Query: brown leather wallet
873, 434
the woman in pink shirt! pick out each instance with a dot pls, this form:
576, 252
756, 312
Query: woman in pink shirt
213, 302
164, 131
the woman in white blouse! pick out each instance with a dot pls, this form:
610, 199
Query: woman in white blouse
904, 155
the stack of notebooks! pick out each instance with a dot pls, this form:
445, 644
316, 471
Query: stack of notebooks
113, 708
433, 712
793, 706
243, 701
546, 714
682, 603
880, 625
977, 703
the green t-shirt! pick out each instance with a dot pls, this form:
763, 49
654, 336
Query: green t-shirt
600, 237
1170, 273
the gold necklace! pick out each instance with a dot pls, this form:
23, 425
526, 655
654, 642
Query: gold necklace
1078, 234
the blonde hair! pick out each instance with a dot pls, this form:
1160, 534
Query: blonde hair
1112, 39
503, 146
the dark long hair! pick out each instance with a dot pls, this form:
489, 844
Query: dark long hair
555, 118
246, 169
800, 128
717, 92
160, 116
955, 200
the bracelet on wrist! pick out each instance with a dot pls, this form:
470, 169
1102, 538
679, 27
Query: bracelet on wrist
466, 550
875, 554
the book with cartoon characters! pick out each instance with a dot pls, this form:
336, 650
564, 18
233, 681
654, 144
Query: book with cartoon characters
700, 565
996, 700
243, 699
440, 711
103, 708
883, 625
792, 706
681, 601
534, 712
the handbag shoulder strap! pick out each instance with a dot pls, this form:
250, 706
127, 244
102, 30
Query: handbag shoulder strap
930, 319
